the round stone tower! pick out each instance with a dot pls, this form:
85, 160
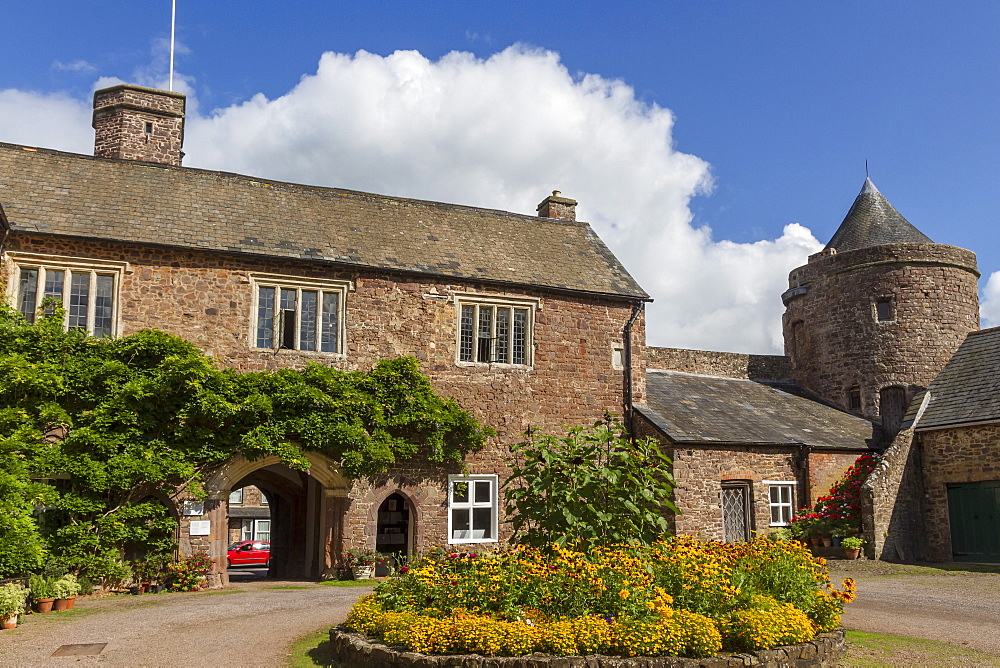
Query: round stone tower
875, 315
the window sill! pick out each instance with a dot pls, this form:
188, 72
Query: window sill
308, 353
495, 365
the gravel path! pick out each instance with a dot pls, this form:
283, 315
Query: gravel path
249, 624
960, 608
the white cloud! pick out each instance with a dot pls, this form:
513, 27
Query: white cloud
76, 66
989, 307
501, 133
52, 120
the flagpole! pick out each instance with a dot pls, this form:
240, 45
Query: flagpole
173, 21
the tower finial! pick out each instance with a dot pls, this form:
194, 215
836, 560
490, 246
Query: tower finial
866, 168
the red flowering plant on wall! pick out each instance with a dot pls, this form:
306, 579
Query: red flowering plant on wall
839, 511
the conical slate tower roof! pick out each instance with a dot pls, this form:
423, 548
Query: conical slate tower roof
872, 221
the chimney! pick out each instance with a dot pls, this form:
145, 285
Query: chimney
558, 207
135, 123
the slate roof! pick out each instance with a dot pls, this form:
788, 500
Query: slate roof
968, 388
872, 221
51, 192
698, 410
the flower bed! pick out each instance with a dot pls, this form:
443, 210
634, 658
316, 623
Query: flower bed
678, 597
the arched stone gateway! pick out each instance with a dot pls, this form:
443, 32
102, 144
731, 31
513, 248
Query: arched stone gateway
307, 515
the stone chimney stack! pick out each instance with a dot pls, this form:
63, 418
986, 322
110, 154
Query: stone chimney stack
558, 207
135, 123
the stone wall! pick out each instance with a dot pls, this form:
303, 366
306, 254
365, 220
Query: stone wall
121, 115
892, 503
826, 468
711, 363
700, 472
835, 340
207, 298
957, 455
359, 651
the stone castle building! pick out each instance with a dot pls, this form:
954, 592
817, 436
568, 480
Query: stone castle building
524, 320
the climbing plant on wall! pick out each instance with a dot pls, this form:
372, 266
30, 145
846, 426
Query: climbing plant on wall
89, 428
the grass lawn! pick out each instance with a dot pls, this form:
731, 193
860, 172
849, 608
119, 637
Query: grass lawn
869, 650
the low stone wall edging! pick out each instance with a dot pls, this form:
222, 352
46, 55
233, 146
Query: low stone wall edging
359, 651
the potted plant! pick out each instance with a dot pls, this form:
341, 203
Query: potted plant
852, 547
42, 593
65, 590
12, 598
361, 561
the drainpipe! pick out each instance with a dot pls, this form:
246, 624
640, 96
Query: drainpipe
804, 451
637, 308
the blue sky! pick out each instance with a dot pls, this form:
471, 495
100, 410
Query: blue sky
776, 106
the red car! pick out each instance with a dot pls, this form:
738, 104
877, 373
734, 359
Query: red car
248, 553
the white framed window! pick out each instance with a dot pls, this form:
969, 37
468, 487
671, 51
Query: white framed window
298, 313
780, 501
472, 508
88, 289
256, 530
236, 498
495, 331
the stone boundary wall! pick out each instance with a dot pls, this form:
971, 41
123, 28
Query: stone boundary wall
891, 497
712, 363
359, 651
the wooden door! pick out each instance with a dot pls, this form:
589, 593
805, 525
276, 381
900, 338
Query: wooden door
974, 514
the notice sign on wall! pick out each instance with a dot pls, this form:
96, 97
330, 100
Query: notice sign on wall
200, 527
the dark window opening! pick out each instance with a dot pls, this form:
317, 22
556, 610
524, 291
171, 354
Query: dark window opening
288, 328
149, 128
892, 407
854, 399
885, 309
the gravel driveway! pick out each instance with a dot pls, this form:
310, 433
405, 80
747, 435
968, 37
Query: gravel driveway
958, 608
249, 624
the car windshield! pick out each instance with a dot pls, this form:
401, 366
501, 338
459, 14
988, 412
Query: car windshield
235, 545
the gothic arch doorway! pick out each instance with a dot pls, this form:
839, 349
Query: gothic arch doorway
306, 513
393, 536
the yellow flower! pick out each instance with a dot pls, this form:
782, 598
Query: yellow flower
624, 593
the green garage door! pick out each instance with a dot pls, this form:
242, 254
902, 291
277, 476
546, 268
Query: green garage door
974, 512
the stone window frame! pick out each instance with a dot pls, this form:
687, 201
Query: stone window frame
477, 301
70, 265
300, 284
889, 303
779, 505
472, 480
854, 398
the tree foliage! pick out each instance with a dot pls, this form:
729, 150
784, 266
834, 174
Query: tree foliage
594, 485
110, 422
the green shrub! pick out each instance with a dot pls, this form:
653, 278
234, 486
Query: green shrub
12, 598
41, 587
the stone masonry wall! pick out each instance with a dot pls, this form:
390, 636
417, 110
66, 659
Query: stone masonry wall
700, 472
711, 363
826, 468
120, 117
957, 455
892, 503
835, 340
207, 298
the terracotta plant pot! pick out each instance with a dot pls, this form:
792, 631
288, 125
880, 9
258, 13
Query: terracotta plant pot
815, 542
44, 604
70, 602
852, 553
8, 622
827, 542
61, 604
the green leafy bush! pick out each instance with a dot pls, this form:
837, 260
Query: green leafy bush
110, 423
12, 598
592, 486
